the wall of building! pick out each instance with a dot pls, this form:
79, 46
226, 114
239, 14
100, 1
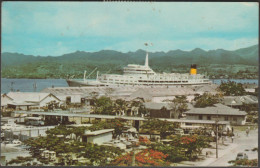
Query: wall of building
99, 139
47, 100
237, 120
75, 98
159, 113
5, 100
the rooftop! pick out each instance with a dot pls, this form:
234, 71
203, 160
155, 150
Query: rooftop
28, 96
239, 100
99, 132
217, 109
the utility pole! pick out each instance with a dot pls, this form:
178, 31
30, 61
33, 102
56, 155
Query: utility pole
217, 120
133, 157
217, 139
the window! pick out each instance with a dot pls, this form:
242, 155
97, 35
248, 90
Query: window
200, 117
234, 118
208, 117
226, 118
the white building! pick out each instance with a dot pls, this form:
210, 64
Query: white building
218, 111
5, 100
36, 99
98, 137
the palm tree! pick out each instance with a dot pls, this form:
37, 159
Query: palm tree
120, 106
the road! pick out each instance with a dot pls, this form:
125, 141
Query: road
243, 142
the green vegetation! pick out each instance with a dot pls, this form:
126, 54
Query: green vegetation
206, 100
183, 148
180, 105
232, 88
117, 124
21, 160
155, 125
103, 105
57, 140
215, 63
147, 157
244, 162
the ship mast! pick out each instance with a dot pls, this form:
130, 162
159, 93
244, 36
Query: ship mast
146, 60
84, 78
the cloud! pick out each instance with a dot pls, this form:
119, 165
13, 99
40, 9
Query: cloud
204, 43
125, 26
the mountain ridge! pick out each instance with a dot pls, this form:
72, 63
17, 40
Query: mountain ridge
14, 64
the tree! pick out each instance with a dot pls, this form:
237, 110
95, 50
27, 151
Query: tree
65, 147
117, 124
205, 100
103, 105
232, 88
147, 157
79, 131
140, 106
175, 152
120, 106
180, 105
155, 125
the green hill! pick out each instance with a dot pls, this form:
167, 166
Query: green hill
20, 65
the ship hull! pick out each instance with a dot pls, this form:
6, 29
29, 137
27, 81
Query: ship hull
88, 83
77, 83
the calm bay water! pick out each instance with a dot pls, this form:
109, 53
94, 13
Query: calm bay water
243, 81
27, 85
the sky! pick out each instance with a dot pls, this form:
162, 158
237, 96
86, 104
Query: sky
56, 28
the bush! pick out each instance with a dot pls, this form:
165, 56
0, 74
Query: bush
244, 162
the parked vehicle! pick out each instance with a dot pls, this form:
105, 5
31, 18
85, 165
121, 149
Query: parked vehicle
178, 131
9, 143
36, 121
115, 143
11, 127
241, 156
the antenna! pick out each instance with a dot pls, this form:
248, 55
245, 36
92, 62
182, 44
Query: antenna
146, 58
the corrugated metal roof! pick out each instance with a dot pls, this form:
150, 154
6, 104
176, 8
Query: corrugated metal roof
27, 96
217, 109
239, 100
99, 132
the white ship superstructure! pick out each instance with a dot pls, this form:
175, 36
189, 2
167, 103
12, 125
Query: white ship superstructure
143, 75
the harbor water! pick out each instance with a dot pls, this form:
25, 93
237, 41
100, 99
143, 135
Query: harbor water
36, 85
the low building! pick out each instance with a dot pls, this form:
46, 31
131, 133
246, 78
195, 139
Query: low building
238, 101
141, 94
98, 137
35, 99
218, 111
161, 110
212, 89
5, 99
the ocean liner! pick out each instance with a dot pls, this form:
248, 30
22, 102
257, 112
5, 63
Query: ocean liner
143, 75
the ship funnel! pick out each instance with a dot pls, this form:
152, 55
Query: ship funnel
146, 60
193, 69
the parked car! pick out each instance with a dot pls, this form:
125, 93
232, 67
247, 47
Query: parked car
178, 131
241, 156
